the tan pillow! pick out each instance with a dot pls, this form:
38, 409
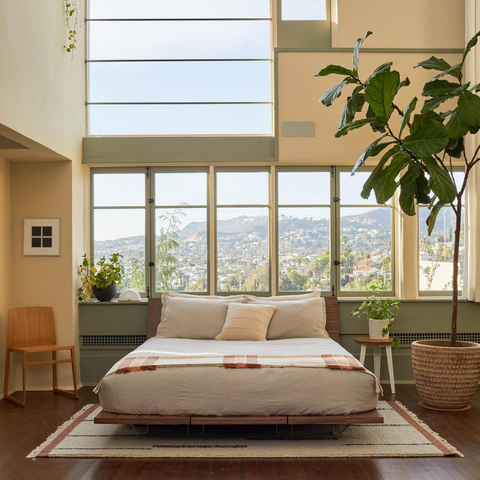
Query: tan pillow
284, 298
187, 296
197, 318
247, 322
303, 319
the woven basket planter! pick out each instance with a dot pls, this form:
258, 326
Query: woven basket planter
446, 377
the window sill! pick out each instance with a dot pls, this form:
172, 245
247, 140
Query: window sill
143, 301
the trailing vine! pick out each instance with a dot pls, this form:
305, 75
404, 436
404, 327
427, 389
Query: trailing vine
71, 22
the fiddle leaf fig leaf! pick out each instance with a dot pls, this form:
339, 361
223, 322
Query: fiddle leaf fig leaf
455, 147
432, 103
386, 182
440, 88
469, 109
380, 93
455, 127
356, 51
472, 42
354, 125
428, 135
384, 67
440, 181
407, 202
408, 180
434, 63
408, 113
376, 126
371, 151
404, 83
354, 104
432, 217
332, 93
423, 189
455, 71
368, 185
333, 70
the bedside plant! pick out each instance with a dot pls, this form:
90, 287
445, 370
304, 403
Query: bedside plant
379, 310
101, 278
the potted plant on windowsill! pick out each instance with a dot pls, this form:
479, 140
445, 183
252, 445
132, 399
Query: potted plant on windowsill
380, 312
420, 153
101, 278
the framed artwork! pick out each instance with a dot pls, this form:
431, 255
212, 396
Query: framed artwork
41, 237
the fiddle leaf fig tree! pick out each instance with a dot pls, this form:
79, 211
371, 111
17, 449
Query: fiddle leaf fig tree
417, 157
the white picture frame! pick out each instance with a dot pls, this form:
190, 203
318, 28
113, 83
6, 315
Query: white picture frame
41, 237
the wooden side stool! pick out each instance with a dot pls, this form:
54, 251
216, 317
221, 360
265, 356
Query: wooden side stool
32, 329
377, 355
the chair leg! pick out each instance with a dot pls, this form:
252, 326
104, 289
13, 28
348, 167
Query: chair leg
24, 369
54, 370
74, 376
7, 375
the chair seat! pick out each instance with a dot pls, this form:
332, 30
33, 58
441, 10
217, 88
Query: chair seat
41, 348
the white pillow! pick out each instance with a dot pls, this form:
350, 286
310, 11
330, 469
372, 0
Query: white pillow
284, 298
297, 319
197, 318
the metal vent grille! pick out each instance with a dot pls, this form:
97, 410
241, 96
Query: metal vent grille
408, 338
113, 340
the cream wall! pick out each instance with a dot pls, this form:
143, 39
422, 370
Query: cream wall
42, 90
5, 261
43, 190
299, 92
400, 24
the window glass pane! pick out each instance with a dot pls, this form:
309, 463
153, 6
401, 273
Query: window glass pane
172, 82
242, 249
351, 187
179, 9
122, 231
174, 189
242, 188
304, 249
181, 250
365, 248
180, 119
119, 189
303, 188
436, 251
179, 40
304, 10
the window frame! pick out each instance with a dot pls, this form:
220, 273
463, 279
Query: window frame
444, 293
338, 205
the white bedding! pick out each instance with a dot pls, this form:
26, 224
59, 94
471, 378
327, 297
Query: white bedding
210, 390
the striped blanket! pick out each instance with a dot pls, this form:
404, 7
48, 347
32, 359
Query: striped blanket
131, 364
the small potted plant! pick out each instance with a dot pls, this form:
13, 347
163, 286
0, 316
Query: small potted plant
381, 312
101, 278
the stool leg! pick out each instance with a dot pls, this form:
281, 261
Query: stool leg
388, 349
363, 351
24, 368
377, 355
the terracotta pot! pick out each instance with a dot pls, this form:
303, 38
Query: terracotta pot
446, 377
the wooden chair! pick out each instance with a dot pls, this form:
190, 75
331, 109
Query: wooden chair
32, 329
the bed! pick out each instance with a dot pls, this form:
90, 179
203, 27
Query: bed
205, 395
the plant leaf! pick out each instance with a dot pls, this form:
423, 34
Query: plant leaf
386, 182
471, 43
371, 151
423, 189
368, 185
404, 83
432, 218
354, 104
384, 67
469, 109
433, 103
440, 181
455, 147
332, 93
428, 135
407, 115
455, 127
407, 202
376, 126
434, 63
408, 180
333, 70
439, 88
354, 125
380, 93
455, 71
356, 51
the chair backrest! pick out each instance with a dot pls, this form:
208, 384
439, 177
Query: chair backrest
30, 326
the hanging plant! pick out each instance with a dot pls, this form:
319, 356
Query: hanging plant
71, 22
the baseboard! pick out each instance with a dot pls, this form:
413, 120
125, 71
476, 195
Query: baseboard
47, 388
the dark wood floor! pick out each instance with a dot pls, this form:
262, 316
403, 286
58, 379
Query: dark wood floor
22, 429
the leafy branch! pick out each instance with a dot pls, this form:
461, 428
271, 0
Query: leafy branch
71, 23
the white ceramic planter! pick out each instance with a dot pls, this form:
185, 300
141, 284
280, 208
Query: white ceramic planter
375, 328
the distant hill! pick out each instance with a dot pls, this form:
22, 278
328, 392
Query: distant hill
378, 218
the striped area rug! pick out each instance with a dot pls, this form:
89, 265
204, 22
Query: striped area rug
402, 435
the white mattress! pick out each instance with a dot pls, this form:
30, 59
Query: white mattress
219, 391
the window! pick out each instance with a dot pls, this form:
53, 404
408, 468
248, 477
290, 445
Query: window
304, 10
436, 251
185, 67
303, 229
366, 240
242, 226
119, 222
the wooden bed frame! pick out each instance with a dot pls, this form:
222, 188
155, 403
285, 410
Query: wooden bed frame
332, 326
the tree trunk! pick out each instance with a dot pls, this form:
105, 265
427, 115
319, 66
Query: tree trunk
458, 231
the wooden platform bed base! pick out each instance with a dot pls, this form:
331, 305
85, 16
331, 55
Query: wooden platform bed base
373, 416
